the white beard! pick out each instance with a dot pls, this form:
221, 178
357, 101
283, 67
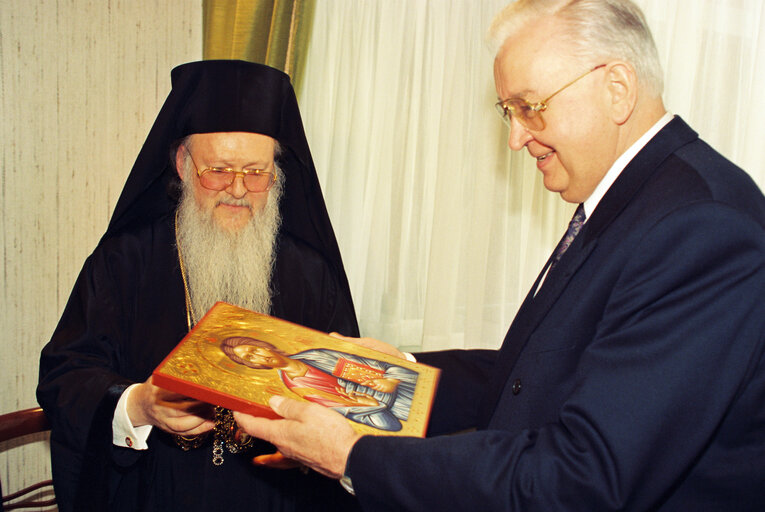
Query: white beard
233, 267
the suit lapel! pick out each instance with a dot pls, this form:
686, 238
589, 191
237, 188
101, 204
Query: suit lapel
639, 170
531, 313
534, 308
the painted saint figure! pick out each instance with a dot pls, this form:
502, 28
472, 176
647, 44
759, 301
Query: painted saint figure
367, 391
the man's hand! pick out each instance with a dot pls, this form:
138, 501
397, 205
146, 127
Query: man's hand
372, 343
311, 434
148, 404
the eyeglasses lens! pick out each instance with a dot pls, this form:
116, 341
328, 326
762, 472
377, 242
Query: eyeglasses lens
522, 111
220, 180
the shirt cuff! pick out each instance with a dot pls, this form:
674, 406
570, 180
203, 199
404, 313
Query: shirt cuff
123, 432
409, 357
345, 481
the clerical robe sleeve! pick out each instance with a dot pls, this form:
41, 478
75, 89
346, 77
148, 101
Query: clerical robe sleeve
124, 315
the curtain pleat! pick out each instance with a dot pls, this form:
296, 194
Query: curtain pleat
272, 32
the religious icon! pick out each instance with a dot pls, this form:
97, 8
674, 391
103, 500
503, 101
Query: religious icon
367, 391
242, 358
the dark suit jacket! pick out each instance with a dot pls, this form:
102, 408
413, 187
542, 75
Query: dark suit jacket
634, 380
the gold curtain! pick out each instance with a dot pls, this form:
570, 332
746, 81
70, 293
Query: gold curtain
272, 32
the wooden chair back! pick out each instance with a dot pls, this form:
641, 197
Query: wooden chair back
14, 425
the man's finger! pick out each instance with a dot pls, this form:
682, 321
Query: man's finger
291, 409
193, 407
262, 428
171, 396
276, 461
203, 427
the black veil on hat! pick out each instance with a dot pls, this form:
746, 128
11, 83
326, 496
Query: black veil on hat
230, 96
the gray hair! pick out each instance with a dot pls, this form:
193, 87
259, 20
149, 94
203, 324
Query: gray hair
596, 30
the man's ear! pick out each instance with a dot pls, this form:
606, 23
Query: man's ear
622, 89
180, 157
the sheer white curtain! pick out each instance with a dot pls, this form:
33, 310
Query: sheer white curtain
713, 53
441, 227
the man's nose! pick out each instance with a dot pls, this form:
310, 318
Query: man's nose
237, 187
519, 135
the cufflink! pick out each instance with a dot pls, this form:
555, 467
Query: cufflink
129, 442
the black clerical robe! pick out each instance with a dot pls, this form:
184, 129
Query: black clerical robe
125, 314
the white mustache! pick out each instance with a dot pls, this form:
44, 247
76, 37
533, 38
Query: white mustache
232, 201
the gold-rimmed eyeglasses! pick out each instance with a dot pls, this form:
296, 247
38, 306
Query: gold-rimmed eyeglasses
530, 114
220, 178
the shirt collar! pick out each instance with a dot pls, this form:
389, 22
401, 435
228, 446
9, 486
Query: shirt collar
620, 163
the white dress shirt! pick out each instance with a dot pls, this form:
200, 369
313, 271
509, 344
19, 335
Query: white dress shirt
616, 169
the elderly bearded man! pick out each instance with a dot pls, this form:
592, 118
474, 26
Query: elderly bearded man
633, 376
250, 228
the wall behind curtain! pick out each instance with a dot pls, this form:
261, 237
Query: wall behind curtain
80, 82
441, 227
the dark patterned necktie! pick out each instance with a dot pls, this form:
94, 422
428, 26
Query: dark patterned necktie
577, 221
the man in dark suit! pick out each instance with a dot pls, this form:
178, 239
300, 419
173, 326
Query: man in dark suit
633, 376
